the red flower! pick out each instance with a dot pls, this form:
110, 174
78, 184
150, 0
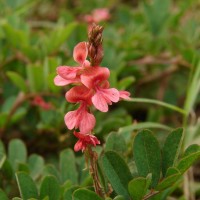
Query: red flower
84, 141
81, 119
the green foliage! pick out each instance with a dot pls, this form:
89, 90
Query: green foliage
18, 81
115, 142
26, 186
50, 188
16, 153
117, 172
147, 155
84, 194
68, 166
138, 187
171, 149
36, 165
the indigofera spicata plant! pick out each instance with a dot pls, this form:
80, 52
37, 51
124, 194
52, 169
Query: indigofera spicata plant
91, 88
129, 163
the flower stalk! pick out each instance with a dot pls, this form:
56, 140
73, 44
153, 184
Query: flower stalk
93, 158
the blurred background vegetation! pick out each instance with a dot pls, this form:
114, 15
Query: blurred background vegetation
151, 48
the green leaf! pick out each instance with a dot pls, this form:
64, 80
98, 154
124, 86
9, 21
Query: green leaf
23, 167
138, 187
68, 166
16, 37
7, 170
17, 80
50, 188
188, 160
16, 152
68, 192
115, 142
191, 149
26, 186
58, 37
117, 172
119, 197
172, 176
51, 170
3, 195
36, 77
84, 194
126, 82
157, 102
147, 155
171, 149
36, 165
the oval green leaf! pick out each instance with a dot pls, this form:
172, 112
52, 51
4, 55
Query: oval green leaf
68, 166
137, 188
26, 186
147, 155
50, 188
17, 80
36, 165
117, 172
84, 194
171, 149
17, 152
172, 176
188, 160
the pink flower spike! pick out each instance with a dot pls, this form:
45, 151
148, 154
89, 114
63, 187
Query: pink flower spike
103, 97
68, 72
81, 119
59, 81
84, 141
124, 95
80, 52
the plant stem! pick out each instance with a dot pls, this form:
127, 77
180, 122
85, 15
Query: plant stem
93, 157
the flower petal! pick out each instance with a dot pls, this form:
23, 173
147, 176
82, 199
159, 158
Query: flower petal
59, 81
79, 93
67, 72
100, 102
87, 122
111, 94
80, 52
79, 146
71, 119
124, 94
94, 75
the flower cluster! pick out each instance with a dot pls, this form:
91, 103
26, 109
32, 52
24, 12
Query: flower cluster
90, 88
